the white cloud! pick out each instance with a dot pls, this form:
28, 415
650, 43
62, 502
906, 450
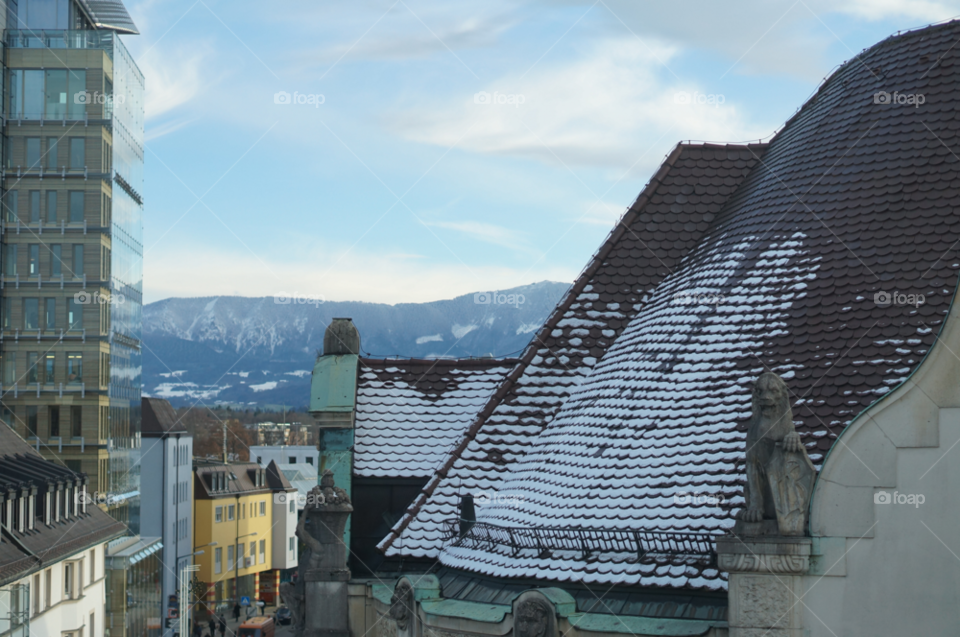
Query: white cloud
615, 107
487, 232
173, 79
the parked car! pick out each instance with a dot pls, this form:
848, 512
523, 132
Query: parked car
283, 616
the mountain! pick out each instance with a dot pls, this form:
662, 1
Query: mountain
260, 351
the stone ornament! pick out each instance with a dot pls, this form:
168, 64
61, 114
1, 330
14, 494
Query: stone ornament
780, 474
402, 605
535, 617
744, 563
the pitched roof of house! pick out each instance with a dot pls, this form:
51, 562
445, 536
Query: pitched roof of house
240, 478
855, 201
411, 412
159, 418
21, 465
668, 218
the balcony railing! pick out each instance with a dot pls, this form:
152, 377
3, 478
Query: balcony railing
60, 39
589, 543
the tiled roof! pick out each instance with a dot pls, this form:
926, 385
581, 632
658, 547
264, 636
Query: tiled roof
857, 197
660, 228
240, 479
410, 413
20, 464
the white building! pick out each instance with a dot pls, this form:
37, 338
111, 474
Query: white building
284, 522
284, 454
52, 555
166, 484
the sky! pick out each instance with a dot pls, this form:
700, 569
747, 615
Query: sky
414, 150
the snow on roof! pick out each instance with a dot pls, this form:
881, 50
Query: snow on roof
813, 268
410, 413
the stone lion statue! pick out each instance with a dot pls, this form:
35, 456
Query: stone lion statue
779, 472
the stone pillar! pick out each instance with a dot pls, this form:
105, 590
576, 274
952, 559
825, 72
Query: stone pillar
766, 584
325, 575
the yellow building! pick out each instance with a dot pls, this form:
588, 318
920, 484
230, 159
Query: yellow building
245, 518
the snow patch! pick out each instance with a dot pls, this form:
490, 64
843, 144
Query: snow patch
459, 331
430, 339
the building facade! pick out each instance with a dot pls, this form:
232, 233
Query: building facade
71, 234
52, 556
237, 510
284, 454
167, 506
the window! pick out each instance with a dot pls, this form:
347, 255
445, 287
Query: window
218, 515
310, 460
291, 505
293, 459
75, 199
32, 373
10, 205
291, 543
32, 420
76, 421
48, 376
35, 594
263, 551
218, 559
51, 206
9, 369
93, 574
49, 314
34, 206
78, 260
31, 314
56, 263
240, 555
68, 580
33, 259
33, 152
230, 562
74, 315
259, 460
74, 367
10, 262
93, 623
79, 576
230, 512
48, 589
263, 507
77, 159
51, 156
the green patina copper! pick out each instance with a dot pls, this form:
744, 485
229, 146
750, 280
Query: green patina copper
382, 593
333, 387
492, 613
642, 625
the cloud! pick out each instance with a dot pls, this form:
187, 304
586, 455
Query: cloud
487, 232
173, 80
614, 107
327, 274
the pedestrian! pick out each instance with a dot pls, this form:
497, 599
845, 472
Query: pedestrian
197, 631
223, 626
212, 625
236, 611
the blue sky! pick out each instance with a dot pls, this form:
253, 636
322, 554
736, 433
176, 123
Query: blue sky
404, 185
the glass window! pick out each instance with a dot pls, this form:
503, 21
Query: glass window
291, 543
31, 314
310, 460
55, 94
33, 259
53, 413
32, 375
77, 106
74, 315
48, 369
263, 551
32, 94
34, 206
292, 503
263, 507
10, 260
78, 259
33, 152
10, 205
230, 512
49, 314
77, 159
56, 263
51, 206
76, 206
218, 514
15, 83
218, 559
9, 370
51, 158
74, 367
32, 423
76, 421
230, 557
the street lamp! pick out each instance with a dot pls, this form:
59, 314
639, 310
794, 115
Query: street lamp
236, 567
185, 598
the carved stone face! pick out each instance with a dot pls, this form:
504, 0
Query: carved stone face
401, 605
770, 395
532, 619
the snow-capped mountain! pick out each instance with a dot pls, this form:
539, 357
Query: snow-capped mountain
260, 351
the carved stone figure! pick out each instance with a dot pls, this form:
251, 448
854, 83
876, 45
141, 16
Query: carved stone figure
779, 472
292, 595
535, 618
402, 605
